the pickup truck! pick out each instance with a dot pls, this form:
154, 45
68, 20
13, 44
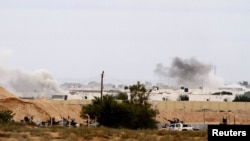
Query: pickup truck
178, 127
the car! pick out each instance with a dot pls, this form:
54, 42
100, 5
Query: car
177, 127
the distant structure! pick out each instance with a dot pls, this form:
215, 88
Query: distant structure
28, 98
59, 97
159, 92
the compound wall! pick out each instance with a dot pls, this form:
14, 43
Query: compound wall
200, 105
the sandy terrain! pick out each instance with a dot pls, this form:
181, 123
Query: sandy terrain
42, 109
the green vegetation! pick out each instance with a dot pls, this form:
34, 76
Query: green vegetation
138, 94
6, 116
122, 96
247, 94
135, 113
242, 98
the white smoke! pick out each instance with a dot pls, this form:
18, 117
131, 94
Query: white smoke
190, 73
4, 72
39, 83
35, 84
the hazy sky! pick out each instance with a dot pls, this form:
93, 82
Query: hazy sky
76, 40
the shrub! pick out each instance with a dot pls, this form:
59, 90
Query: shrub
122, 96
6, 116
133, 114
241, 98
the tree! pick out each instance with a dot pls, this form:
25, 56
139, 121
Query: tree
6, 116
108, 112
122, 96
138, 94
144, 114
247, 94
134, 114
241, 98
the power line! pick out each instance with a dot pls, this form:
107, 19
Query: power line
117, 80
95, 78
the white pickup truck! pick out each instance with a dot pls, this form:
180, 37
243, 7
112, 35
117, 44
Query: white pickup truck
178, 127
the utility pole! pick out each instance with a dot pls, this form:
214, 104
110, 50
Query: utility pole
102, 84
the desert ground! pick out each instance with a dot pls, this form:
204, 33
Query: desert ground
42, 109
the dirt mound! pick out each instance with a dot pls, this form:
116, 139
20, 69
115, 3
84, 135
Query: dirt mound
41, 109
22, 109
57, 109
5, 94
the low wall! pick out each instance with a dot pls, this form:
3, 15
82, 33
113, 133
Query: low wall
199, 105
183, 105
74, 102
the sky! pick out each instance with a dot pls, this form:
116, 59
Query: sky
75, 40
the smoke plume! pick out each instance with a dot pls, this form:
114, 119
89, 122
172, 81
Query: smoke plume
190, 73
35, 84
39, 83
161, 71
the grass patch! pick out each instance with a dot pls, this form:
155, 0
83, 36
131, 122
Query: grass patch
29, 133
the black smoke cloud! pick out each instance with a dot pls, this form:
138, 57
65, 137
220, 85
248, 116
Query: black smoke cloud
161, 71
190, 73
